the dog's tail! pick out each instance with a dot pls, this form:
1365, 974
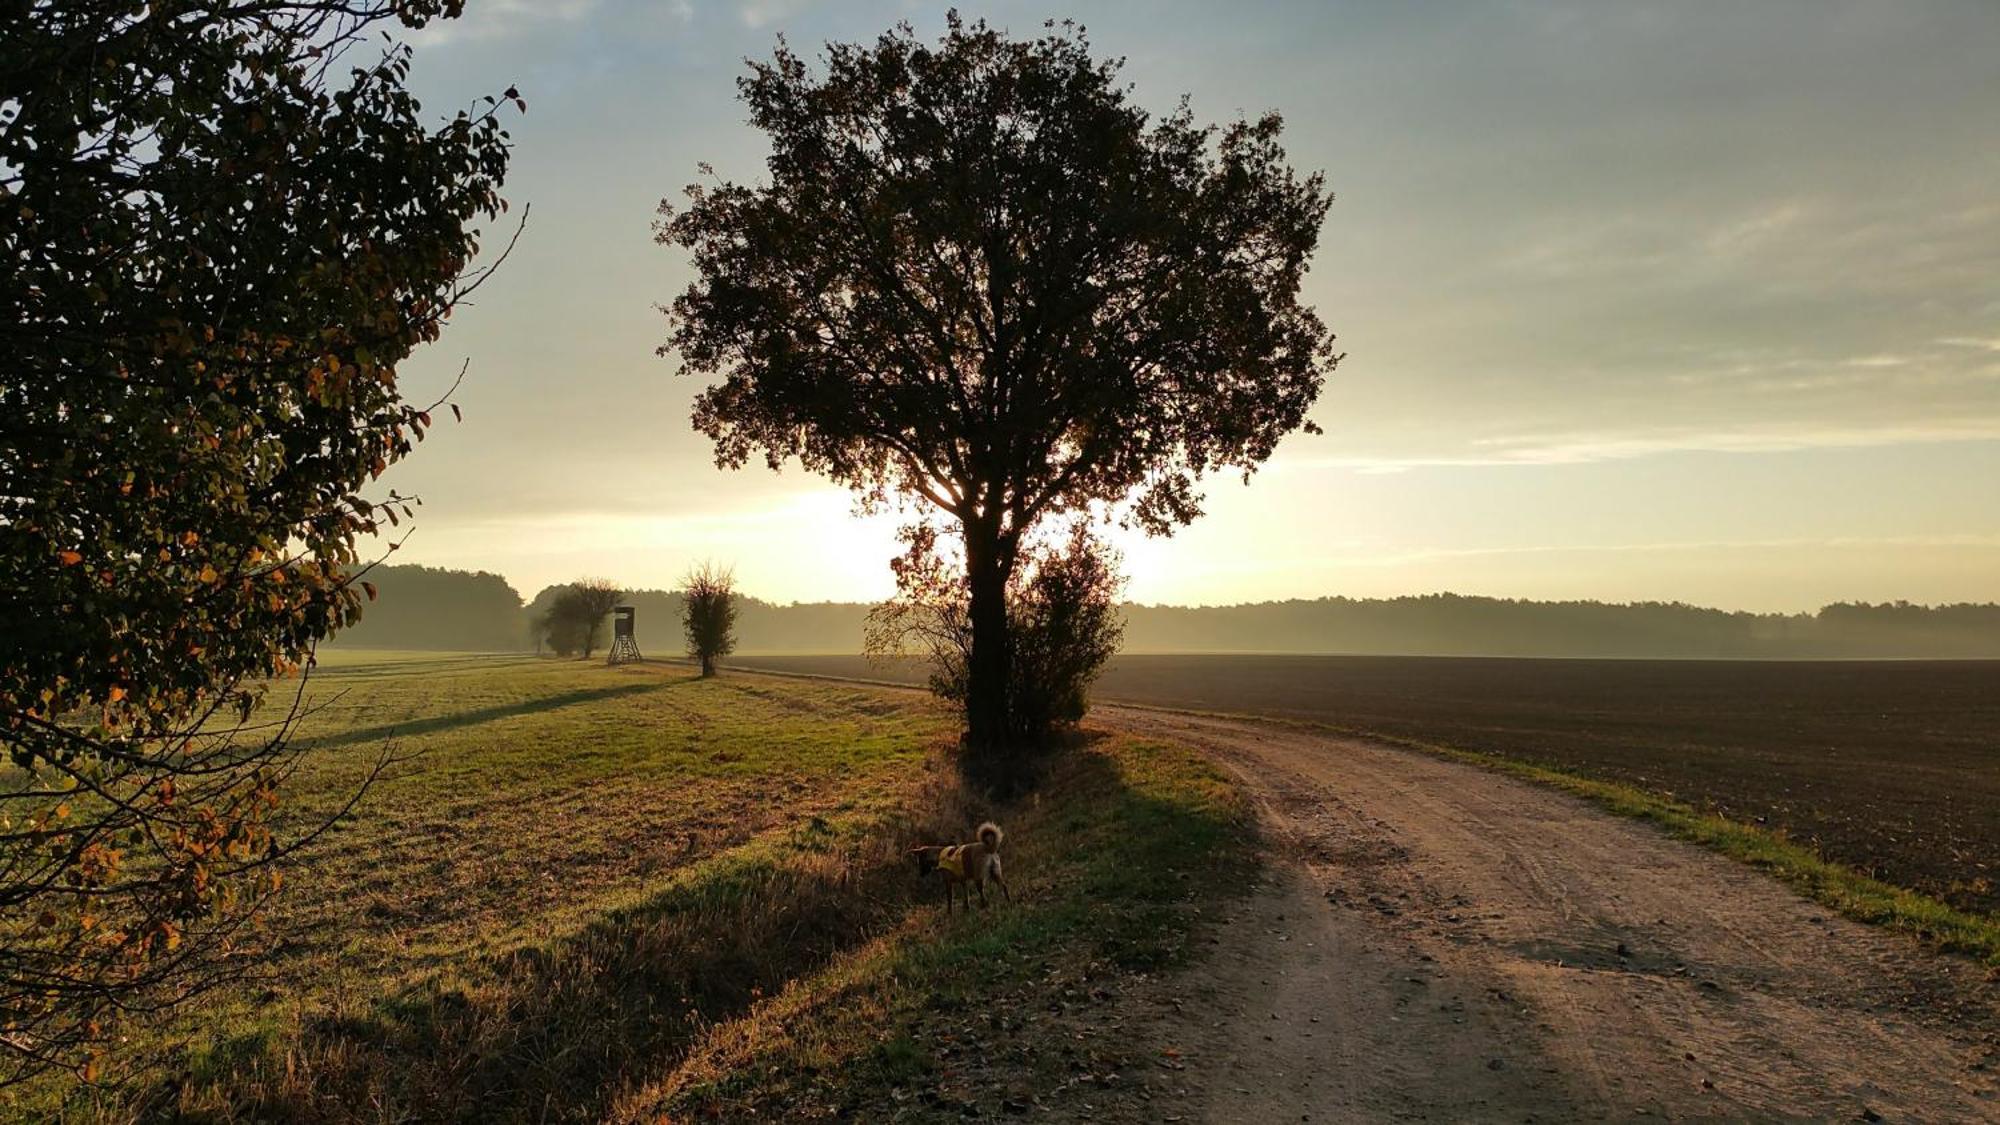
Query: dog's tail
990, 836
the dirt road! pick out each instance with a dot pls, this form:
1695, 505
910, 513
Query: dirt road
1444, 943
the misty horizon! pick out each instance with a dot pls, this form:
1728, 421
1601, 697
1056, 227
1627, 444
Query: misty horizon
430, 609
396, 562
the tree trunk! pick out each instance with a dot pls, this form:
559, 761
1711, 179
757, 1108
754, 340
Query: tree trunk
988, 666
707, 665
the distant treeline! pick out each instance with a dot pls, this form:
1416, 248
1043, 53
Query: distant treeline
424, 608
1455, 625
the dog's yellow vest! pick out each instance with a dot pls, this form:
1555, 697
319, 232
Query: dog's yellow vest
953, 860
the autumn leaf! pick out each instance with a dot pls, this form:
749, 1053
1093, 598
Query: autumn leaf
70, 558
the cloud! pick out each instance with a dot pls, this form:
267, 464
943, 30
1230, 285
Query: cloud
1758, 228
486, 20
1585, 447
759, 14
1698, 546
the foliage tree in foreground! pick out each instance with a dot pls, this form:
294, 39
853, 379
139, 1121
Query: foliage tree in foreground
1062, 613
708, 614
222, 227
981, 276
574, 622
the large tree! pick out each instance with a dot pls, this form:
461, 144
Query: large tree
222, 227
981, 275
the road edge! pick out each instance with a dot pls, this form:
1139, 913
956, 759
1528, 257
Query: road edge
1830, 883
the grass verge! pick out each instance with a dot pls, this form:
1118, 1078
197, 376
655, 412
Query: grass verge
1130, 849
1833, 885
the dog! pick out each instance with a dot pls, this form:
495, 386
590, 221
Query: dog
966, 865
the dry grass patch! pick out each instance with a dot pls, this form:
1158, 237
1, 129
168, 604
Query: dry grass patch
626, 892
1127, 853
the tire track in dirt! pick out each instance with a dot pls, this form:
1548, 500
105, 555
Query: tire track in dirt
1449, 943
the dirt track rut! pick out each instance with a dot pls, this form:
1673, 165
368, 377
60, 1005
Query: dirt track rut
1447, 943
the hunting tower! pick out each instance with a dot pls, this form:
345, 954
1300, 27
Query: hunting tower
624, 644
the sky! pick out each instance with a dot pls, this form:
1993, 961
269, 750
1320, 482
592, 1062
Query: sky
1693, 301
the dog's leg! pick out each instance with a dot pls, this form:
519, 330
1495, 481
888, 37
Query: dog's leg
982, 897
1002, 884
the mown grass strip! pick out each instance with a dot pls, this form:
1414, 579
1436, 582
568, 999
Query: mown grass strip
1131, 844
1834, 885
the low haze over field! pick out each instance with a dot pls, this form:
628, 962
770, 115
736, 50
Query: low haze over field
1645, 301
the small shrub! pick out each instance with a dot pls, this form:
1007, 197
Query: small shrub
1062, 620
708, 614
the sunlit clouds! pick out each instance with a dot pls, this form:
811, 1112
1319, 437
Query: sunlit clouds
1639, 301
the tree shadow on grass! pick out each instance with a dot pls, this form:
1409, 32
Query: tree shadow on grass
558, 1031
457, 719
330, 667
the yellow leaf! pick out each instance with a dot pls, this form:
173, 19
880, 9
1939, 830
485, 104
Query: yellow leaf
208, 574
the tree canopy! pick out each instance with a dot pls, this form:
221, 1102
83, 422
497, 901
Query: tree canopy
573, 623
222, 228
980, 274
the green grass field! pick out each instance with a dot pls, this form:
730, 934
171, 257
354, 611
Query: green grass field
585, 892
